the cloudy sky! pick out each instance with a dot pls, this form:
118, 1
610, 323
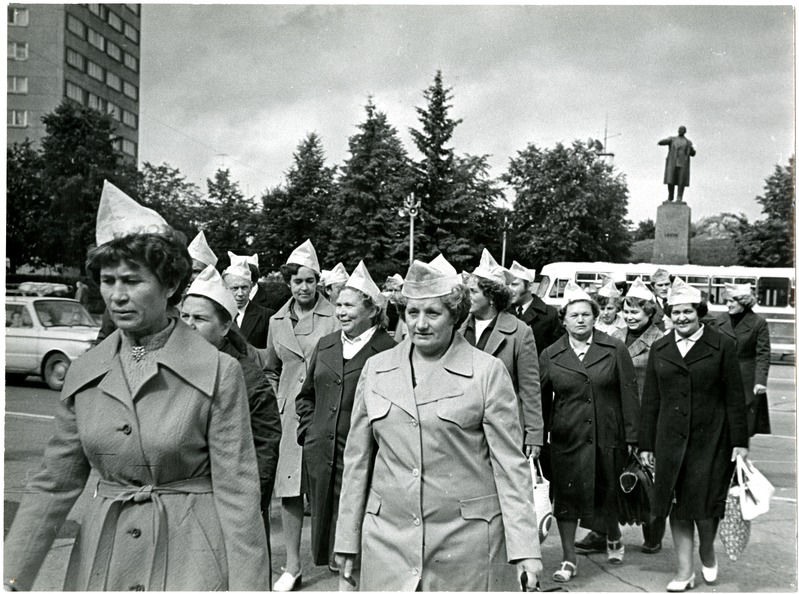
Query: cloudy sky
240, 86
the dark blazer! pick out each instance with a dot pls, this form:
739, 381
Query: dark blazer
255, 325
544, 321
692, 415
324, 406
594, 414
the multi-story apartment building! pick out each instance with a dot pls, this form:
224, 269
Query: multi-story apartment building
88, 53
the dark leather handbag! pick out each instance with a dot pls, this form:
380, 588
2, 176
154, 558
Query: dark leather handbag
637, 484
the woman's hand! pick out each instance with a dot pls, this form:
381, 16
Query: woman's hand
648, 459
532, 567
760, 389
532, 451
742, 452
345, 562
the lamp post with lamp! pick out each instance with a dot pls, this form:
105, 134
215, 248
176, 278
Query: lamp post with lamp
411, 208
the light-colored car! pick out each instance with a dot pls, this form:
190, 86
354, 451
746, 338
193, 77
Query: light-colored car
44, 335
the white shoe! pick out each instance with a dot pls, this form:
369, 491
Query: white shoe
681, 585
709, 574
288, 582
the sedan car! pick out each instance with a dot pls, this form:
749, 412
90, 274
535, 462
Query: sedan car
44, 335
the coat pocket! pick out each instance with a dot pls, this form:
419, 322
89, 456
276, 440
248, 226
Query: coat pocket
373, 503
460, 410
481, 508
377, 406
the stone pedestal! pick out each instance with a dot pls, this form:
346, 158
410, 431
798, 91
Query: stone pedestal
672, 233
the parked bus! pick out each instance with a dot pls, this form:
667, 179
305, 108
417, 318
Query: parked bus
775, 289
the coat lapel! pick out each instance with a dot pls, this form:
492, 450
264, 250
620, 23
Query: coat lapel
248, 322
331, 353
707, 344
284, 334
669, 352
597, 351
458, 364
394, 381
564, 356
323, 308
505, 325
370, 348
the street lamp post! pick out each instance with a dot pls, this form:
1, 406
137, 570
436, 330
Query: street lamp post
412, 205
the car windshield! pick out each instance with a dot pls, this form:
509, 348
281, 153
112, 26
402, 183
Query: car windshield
62, 313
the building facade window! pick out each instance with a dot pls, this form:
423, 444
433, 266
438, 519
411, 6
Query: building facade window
114, 111
74, 92
97, 103
130, 90
134, 8
18, 17
115, 21
99, 10
113, 81
18, 85
95, 71
113, 50
128, 147
18, 118
76, 60
131, 62
17, 51
131, 33
97, 40
130, 119
76, 26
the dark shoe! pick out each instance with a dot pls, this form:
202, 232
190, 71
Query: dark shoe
648, 549
592, 543
333, 566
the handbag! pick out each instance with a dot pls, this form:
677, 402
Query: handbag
543, 506
637, 483
756, 490
733, 529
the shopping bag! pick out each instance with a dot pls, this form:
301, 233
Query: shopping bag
733, 529
635, 501
543, 506
756, 489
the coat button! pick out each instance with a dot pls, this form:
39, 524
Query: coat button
590, 440
414, 422
330, 436
588, 401
415, 472
136, 588
338, 381
302, 379
589, 421
330, 464
134, 532
416, 521
415, 571
333, 408
126, 429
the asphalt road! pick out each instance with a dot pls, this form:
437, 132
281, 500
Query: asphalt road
769, 563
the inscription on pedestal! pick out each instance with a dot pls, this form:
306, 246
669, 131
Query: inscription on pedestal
672, 233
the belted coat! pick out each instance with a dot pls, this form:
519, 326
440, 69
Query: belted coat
179, 456
595, 413
288, 354
692, 414
438, 492
512, 342
324, 406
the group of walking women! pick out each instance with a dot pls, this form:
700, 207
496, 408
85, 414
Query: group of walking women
415, 456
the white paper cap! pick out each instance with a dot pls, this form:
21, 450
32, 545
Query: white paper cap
337, 275
639, 290
682, 292
733, 291
397, 278
240, 270
239, 260
489, 269
440, 263
119, 215
200, 250
305, 255
574, 292
362, 280
209, 284
522, 273
424, 281
609, 290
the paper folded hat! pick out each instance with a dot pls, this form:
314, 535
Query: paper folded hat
241, 270
436, 279
200, 250
660, 273
305, 255
489, 269
574, 292
733, 291
337, 275
323, 277
640, 291
119, 215
239, 260
396, 278
522, 273
209, 284
682, 292
609, 290
362, 280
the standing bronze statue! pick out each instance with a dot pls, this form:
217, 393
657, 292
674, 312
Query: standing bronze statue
678, 163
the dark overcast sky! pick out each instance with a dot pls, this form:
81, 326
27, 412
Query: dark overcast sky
250, 81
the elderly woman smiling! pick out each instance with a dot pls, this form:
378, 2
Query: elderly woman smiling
453, 518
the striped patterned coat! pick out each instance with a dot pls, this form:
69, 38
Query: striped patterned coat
639, 351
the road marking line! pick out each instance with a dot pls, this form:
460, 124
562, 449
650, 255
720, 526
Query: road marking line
30, 415
788, 499
777, 436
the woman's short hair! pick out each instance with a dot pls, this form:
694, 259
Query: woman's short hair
591, 302
700, 308
458, 302
499, 295
648, 307
746, 301
163, 254
289, 270
223, 314
602, 301
380, 317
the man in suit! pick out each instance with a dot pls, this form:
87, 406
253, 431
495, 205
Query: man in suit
252, 319
532, 310
661, 285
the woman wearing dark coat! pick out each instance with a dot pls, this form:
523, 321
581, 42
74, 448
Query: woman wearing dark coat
590, 379
753, 345
693, 425
324, 405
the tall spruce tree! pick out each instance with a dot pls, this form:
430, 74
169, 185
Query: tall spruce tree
370, 192
457, 214
227, 216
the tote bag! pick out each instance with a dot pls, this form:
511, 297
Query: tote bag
733, 529
543, 506
756, 490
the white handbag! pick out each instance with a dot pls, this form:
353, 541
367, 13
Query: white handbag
756, 491
543, 506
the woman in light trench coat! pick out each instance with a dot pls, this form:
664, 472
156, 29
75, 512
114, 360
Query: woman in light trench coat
293, 333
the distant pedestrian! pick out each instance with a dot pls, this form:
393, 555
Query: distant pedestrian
82, 292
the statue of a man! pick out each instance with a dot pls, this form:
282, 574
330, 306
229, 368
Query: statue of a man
678, 163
